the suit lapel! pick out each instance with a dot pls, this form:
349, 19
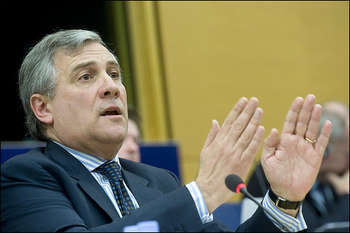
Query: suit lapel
84, 179
139, 186
95, 191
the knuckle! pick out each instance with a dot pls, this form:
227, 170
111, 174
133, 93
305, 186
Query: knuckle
301, 126
245, 138
238, 127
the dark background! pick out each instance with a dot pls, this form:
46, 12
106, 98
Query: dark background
23, 25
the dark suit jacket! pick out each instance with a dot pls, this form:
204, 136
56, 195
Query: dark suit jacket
47, 189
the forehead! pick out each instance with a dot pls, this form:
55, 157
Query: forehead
89, 52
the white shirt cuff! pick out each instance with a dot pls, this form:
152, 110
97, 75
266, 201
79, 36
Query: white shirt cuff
293, 224
200, 203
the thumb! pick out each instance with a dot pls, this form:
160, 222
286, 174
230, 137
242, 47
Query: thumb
212, 133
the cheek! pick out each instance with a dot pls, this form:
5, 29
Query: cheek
74, 105
123, 95
345, 162
336, 163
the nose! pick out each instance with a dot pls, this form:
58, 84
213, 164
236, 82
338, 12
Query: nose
110, 88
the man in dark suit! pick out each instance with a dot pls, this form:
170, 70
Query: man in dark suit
71, 89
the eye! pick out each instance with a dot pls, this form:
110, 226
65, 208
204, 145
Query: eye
114, 74
85, 77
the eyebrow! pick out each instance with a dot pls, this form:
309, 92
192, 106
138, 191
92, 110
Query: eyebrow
89, 63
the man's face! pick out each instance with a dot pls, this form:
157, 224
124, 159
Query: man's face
89, 107
130, 148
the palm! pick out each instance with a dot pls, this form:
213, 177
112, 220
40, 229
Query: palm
291, 163
300, 159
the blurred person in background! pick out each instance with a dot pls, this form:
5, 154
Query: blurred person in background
130, 149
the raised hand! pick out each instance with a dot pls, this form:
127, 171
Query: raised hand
291, 162
229, 149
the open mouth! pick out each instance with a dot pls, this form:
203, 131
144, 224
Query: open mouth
112, 112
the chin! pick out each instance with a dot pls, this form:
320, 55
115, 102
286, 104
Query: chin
110, 138
115, 138
109, 134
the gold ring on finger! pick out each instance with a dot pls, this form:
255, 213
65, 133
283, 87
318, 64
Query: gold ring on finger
310, 140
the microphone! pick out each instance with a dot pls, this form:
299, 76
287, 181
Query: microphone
236, 184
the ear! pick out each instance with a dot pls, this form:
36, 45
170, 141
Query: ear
41, 108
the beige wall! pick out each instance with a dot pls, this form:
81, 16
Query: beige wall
216, 52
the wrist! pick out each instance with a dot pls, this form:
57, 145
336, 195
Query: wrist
286, 206
291, 212
209, 196
199, 201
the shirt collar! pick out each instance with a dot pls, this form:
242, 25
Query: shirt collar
90, 161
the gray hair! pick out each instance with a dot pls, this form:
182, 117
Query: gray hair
339, 125
37, 74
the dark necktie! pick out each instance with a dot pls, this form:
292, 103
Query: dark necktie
112, 171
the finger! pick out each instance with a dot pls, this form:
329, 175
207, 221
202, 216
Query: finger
236, 110
246, 137
212, 133
322, 140
304, 115
243, 119
270, 144
314, 124
254, 145
292, 116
